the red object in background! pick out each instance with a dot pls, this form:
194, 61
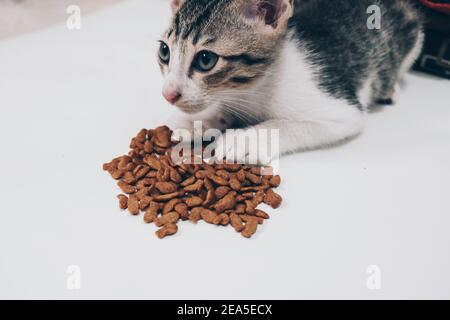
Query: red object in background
437, 5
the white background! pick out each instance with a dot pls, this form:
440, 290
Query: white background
71, 100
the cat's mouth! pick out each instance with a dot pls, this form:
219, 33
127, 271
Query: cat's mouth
190, 108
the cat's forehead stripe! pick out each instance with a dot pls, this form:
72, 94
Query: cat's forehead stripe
209, 41
193, 16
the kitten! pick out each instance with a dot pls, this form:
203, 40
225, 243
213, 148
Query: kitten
310, 68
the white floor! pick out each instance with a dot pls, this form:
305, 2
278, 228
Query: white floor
70, 100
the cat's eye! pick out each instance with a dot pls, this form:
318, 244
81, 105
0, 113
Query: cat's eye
164, 53
205, 61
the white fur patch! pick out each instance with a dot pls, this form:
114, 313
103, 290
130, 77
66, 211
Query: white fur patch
365, 93
288, 98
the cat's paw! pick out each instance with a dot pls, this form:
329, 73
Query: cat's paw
180, 123
241, 146
182, 127
227, 148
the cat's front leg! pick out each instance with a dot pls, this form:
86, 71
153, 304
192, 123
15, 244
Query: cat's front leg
252, 145
304, 133
180, 121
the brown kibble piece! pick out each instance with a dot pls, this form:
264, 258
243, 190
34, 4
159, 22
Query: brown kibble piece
253, 178
195, 187
123, 201
193, 201
236, 222
149, 217
163, 175
240, 175
195, 214
235, 184
146, 182
223, 174
227, 202
201, 174
109, 166
117, 174
272, 199
222, 192
145, 202
256, 171
167, 197
275, 181
142, 134
208, 185
240, 208
152, 174
151, 213
258, 198
249, 207
148, 146
142, 172
166, 187
133, 205
210, 198
208, 216
217, 180
188, 181
222, 219
171, 217
124, 161
153, 162
261, 214
255, 188
174, 175
126, 188
170, 205
182, 209
247, 218
167, 230
161, 137
250, 228
128, 177
142, 193
137, 168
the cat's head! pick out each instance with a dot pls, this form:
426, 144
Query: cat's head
214, 46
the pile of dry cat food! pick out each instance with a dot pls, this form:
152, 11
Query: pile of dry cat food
219, 194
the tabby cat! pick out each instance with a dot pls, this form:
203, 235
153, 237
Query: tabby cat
310, 68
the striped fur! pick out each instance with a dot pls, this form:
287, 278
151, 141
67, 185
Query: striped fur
308, 67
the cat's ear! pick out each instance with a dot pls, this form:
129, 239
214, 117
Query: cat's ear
269, 13
175, 5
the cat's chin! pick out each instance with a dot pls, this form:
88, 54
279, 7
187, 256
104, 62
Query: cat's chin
191, 110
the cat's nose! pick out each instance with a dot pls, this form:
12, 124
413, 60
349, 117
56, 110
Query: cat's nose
171, 95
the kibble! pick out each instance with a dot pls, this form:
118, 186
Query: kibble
220, 194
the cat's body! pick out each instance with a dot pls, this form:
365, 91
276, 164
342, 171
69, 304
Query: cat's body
311, 72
